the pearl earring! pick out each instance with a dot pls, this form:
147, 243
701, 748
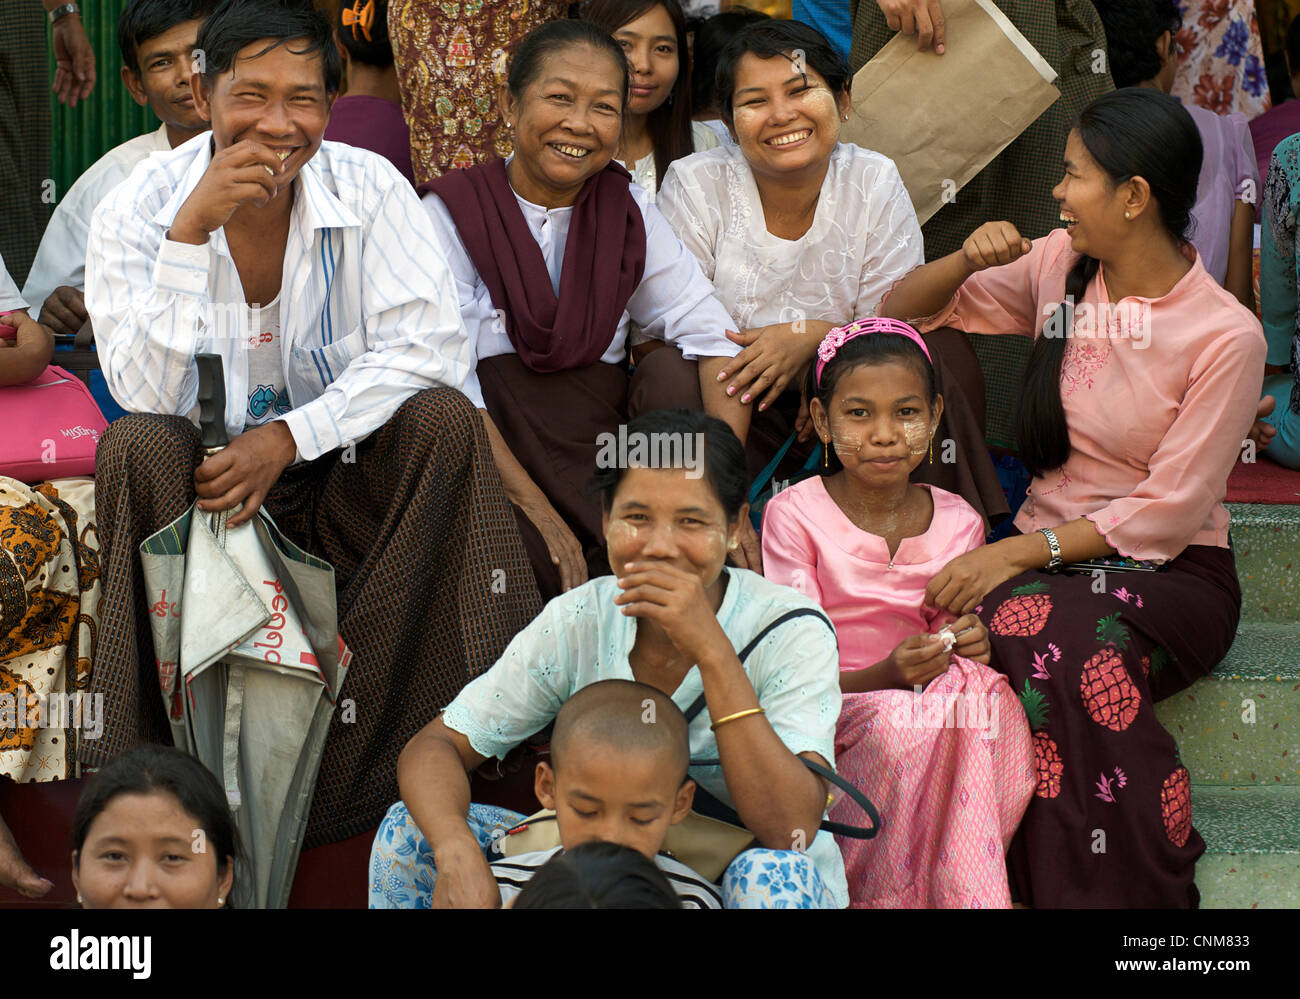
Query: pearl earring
1127, 215
79, 899
220, 901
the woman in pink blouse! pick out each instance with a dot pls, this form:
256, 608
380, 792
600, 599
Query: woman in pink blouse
1140, 389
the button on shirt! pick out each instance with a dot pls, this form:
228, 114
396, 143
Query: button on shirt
674, 301
368, 307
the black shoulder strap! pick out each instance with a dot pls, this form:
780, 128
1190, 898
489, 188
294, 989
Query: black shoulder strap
698, 704
716, 809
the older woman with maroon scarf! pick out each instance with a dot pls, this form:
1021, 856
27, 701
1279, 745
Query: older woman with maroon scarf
554, 254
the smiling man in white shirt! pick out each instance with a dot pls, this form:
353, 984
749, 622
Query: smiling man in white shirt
312, 271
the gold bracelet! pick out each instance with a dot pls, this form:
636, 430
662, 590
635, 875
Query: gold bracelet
738, 714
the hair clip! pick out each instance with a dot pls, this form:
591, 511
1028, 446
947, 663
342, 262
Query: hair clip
841, 335
360, 15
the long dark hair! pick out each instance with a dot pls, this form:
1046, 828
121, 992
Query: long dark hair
670, 123
1134, 132
148, 769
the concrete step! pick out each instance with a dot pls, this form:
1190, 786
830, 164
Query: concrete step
1266, 546
1241, 724
1252, 838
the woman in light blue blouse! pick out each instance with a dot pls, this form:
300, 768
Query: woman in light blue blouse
672, 616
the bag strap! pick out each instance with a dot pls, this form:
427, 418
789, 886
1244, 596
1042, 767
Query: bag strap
766, 475
698, 704
716, 809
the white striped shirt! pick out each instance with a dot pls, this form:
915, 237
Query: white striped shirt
369, 311
695, 891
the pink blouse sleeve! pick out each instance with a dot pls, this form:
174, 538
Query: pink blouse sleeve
967, 533
1187, 474
1006, 299
1246, 167
789, 557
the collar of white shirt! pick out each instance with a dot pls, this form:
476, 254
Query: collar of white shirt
316, 206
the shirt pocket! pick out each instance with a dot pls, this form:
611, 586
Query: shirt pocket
330, 361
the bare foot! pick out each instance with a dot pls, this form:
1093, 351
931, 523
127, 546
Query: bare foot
1263, 433
15, 872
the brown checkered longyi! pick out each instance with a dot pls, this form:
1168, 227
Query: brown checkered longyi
433, 582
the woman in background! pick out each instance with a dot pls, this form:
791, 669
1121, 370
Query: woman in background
658, 128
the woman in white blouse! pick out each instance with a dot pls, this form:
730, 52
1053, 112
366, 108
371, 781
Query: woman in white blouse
658, 128
801, 233
548, 315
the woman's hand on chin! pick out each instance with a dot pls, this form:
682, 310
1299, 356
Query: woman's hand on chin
773, 358
965, 581
676, 601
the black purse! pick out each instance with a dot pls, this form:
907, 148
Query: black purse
707, 804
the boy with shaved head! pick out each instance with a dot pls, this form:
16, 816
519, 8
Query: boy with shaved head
617, 773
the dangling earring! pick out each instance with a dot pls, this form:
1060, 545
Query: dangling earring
932, 449
826, 455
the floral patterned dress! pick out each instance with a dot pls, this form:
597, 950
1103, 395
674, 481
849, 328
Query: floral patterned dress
1221, 57
451, 56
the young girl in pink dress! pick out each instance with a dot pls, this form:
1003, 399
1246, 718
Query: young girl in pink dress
951, 768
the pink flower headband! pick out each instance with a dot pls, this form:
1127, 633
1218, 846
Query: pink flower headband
841, 335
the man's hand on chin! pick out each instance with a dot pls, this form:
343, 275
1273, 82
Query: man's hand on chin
245, 470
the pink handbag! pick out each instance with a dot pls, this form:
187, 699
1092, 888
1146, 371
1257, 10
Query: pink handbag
51, 426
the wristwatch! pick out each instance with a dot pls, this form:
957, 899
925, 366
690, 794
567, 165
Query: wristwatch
59, 13
1055, 547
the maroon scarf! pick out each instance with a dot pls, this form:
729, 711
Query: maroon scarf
604, 259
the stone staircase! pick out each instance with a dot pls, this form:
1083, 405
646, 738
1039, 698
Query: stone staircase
1238, 730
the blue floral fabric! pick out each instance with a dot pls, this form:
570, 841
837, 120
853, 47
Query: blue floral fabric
402, 873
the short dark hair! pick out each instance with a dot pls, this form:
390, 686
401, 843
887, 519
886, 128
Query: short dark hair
146, 19
366, 44
598, 875
711, 36
612, 712
544, 40
724, 456
149, 769
236, 24
1132, 29
864, 351
774, 37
